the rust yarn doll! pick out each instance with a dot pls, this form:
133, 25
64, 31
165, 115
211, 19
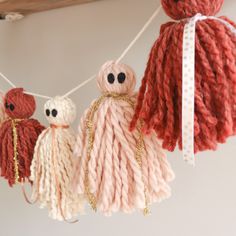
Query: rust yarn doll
18, 135
159, 102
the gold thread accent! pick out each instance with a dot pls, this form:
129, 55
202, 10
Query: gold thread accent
14, 123
91, 198
138, 156
89, 127
90, 133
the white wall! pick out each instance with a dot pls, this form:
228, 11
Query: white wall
53, 51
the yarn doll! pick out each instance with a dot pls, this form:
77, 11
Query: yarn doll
159, 103
118, 170
2, 109
18, 135
51, 169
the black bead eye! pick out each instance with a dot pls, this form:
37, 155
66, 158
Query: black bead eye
47, 112
121, 78
6, 105
111, 78
54, 112
12, 107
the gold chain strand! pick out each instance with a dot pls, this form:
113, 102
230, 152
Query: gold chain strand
139, 150
91, 198
89, 127
15, 155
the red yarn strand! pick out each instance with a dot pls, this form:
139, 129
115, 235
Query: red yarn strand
159, 102
19, 107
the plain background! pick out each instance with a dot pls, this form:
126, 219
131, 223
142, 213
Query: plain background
50, 53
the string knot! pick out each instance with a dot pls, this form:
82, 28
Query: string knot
54, 126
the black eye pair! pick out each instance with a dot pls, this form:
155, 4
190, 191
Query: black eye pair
10, 106
53, 112
121, 78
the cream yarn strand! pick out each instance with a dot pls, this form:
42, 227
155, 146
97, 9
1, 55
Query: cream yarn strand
52, 166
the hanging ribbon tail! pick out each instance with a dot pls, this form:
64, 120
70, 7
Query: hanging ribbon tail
188, 87
188, 83
27, 199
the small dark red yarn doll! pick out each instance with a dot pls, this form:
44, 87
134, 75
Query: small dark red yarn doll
159, 102
18, 135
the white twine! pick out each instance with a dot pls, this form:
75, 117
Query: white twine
150, 20
7, 80
188, 83
94, 76
14, 86
124, 53
80, 86
38, 95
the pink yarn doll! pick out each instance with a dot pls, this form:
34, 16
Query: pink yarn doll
116, 169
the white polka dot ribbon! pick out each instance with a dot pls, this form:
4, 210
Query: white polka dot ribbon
188, 84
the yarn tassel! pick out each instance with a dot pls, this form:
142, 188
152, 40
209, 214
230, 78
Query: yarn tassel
118, 170
18, 135
159, 102
52, 165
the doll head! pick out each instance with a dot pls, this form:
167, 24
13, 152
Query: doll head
19, 105
60, 111
116, 78
180, 9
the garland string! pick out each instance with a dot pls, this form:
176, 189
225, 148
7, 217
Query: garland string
124, 53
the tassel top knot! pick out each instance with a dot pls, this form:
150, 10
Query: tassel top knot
181, 9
